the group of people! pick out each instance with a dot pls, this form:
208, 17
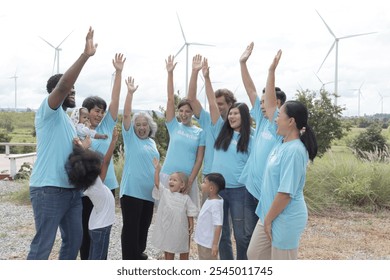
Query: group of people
252, 179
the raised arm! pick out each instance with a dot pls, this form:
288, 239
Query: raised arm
118, 63
67, 81
270, 103
246, 77
157, 167
170, 65
108, 155
196, 67
214, 111
128, 102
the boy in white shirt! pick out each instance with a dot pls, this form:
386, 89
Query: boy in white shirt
209, 224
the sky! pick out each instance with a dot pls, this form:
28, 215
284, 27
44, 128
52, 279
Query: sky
148, 31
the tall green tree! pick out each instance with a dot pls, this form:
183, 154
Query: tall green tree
324, 117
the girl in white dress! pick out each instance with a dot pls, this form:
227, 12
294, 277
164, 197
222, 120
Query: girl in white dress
175, 215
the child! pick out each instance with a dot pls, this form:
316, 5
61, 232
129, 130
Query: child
80, 118
86, 171
209, 224
175, 215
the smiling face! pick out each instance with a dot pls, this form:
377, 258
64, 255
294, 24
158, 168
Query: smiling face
176, 184
185, 114
223, 106
284, 122
141, 127
95, 116
234, 119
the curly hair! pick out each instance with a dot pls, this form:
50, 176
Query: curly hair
52, 82
83, 167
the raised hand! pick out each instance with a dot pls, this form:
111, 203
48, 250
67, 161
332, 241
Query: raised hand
130, 85
118, 62
276, 60
90, 47
197, 62
247, 53
170, 64
205, 68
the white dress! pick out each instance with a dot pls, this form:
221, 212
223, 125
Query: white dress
170, 233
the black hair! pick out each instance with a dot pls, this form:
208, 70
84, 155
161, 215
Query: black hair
229, 96
183, 102
217, 179
226, 135
298, 111
279, 95
52, 82
83, 167
92, 101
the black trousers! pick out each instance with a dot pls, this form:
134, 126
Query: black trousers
137, 216
87, 209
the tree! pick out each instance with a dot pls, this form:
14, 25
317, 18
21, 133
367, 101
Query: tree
324, 117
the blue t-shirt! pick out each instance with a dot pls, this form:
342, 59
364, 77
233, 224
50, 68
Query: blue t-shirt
285, 173
230, 163
183, 147
205, 123
55, 133
264, 140
138, 171
106, 126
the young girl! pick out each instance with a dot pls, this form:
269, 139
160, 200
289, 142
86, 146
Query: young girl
175, 215
80, 118
86, 171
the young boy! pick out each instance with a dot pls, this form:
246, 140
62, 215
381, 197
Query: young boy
209, 225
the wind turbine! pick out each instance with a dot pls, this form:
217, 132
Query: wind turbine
381, 101
16, 88
336, 43
322, 83
186, 45
359, 95
56, 52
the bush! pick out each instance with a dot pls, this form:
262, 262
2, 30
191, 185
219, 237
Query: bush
4, 137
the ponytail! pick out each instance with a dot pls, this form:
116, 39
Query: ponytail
308, 138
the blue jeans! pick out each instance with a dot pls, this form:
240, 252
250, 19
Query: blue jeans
56, 207
250, 215
233, 213
100, 239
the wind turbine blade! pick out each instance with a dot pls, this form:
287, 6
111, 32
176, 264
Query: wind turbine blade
64, 39
355, 35
330, 30
319, 79
331, 48
180, 50
47, 42
54, 62
200, 44
182, 32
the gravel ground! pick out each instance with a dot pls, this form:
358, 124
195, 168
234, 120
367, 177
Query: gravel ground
337, 236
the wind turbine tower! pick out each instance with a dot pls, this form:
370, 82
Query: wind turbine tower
336, 43
56, 53
359, 96
186, 45
16, 88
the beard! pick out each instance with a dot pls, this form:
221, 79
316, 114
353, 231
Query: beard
69, 103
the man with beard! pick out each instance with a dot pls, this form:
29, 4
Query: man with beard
56, 203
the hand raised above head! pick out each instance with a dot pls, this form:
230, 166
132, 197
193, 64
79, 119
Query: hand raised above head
131, 88
90, 47
205, 68
118, 61
170, 64
247, 53
276, 60
197, 62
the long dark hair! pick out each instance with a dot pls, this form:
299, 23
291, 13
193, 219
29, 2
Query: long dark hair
298, 111
225, 136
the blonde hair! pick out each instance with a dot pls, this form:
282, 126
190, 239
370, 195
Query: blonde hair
183, 177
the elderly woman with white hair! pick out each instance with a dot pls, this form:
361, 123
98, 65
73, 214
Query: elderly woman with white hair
137, 179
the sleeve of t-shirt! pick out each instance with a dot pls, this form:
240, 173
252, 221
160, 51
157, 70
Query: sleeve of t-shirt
292, 170
192, 210
217, 214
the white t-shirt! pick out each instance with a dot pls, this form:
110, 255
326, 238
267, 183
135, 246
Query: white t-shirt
210, 216
103, 211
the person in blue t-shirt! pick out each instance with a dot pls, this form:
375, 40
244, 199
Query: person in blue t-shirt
263, 143
103, 123
282, 209
137, 181
56, 203
233, 141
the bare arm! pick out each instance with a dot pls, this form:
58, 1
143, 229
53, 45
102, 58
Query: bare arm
270, 103
157, 167
190, 225
196, 168
246, 77
128, 102
217, 235
196, 67
108, 155
170, 65
118, 63
214, 111
280, 202
66, 83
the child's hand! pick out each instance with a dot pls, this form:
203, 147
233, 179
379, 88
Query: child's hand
77, 142
190, 229
214, 250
